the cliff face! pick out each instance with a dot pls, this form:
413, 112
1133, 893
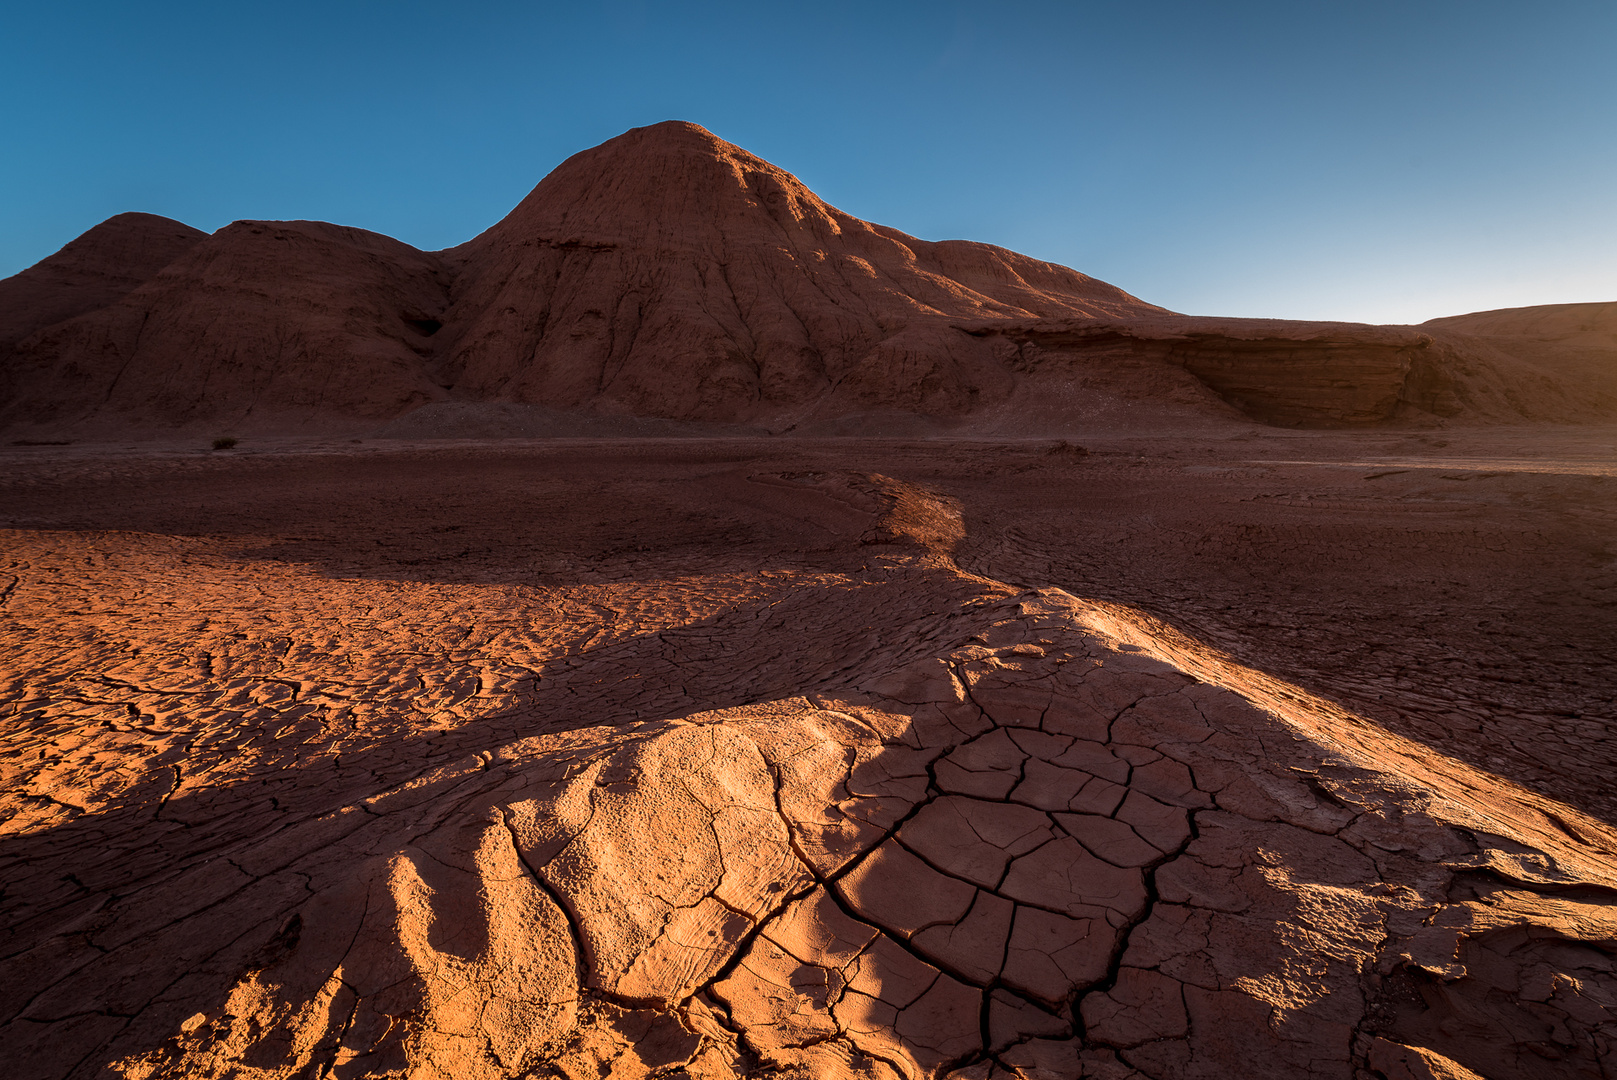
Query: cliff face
1564, 355
669, 274
1289, 374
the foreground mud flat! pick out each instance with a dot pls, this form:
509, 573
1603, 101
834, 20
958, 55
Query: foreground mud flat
819, 759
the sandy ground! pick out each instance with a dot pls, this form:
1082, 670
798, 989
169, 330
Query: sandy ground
1461, 588
201, 646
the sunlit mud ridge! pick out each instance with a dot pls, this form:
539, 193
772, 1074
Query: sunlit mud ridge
1013, 833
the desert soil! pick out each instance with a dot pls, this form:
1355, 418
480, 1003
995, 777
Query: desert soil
1270, 754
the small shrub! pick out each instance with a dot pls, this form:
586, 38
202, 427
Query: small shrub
224, 444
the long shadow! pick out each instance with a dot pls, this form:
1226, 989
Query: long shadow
92, 961
89, 958
1497, 658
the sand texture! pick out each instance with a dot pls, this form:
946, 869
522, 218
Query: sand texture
1267, 756
669, 275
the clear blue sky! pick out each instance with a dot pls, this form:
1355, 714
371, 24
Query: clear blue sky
1359, 160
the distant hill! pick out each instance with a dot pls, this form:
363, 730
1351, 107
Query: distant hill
99, 268
668, 274
1573, 346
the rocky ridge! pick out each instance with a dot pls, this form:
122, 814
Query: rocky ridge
668, 274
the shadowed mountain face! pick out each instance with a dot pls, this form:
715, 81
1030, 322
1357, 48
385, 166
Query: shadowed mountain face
669, 274
1572, 345
300, 320
97, 269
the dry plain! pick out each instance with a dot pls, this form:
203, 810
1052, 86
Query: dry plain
1257, 752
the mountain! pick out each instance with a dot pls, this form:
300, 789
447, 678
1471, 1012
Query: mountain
97, 269
670, 275
302, 321
668, 244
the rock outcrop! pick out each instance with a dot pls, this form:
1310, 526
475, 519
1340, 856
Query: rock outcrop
1335, 375
299, 322
668, 274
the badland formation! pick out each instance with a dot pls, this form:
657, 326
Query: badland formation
687, 631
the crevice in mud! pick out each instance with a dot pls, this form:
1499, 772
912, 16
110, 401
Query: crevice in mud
568, 916
826, 883
1114, 965
371, 771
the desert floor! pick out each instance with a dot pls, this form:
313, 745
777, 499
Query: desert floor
203, 649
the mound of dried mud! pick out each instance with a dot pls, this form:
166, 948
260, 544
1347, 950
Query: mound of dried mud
873, 818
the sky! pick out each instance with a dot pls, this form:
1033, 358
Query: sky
1369, 161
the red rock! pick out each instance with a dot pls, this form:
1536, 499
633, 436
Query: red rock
1571, 344
290, 324
670, 275
99, 268
667, 241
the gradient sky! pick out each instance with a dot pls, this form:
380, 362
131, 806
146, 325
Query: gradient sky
1383, 162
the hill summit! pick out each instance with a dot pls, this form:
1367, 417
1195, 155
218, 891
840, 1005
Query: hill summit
668, 272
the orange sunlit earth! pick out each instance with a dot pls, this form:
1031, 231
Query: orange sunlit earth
689, 631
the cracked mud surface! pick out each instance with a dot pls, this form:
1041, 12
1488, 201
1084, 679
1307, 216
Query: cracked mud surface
1264, 757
